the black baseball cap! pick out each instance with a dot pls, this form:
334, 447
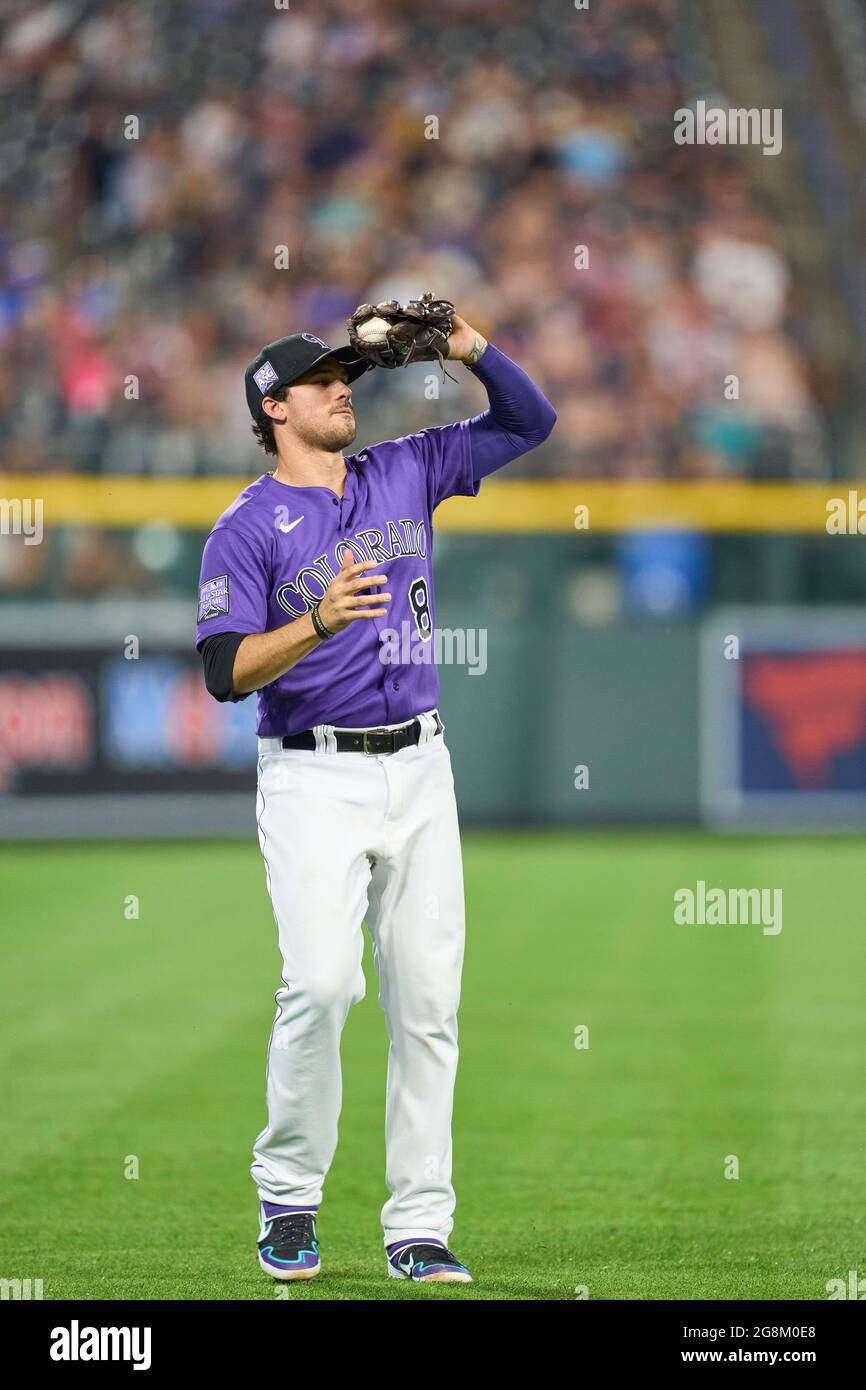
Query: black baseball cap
282, 362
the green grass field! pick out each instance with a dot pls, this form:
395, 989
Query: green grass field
602, 1168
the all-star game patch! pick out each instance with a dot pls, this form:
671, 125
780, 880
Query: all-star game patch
213, 598
265, 377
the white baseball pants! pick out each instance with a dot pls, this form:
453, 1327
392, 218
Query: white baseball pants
349, 837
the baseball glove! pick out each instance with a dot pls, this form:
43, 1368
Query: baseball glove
393, 335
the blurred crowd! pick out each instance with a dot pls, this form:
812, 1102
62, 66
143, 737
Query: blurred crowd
181, 182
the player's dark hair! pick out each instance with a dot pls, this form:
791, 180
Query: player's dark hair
263, 426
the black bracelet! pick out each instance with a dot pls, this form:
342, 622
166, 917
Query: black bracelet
321, 630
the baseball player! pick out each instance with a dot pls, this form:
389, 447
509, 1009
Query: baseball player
302, 579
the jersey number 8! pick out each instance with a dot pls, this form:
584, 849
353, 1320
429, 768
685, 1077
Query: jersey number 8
420, 602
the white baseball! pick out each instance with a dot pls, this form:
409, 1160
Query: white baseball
374, 331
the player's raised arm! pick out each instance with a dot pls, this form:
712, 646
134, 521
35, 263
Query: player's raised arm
519, 416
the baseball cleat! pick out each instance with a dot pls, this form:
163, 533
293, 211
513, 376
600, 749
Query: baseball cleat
426, 1262
288, 1248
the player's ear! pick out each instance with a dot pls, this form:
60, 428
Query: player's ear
276, 410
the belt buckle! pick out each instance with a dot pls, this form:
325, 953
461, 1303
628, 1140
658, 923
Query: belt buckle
376, 733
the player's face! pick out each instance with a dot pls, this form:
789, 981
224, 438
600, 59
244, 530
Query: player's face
318, 408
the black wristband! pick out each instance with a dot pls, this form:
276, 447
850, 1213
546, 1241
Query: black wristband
321, 630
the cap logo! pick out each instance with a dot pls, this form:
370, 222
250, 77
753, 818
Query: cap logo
311, 338
265, 377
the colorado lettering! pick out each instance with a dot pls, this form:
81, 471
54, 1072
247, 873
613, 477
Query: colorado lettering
297, 596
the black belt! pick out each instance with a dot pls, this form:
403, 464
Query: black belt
374, 741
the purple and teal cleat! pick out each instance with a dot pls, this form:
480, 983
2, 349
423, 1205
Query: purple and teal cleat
425, 1261
288, 1248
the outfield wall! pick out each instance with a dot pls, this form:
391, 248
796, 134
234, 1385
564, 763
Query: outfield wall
106, 730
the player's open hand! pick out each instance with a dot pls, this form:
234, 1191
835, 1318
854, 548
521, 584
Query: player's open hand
346, 598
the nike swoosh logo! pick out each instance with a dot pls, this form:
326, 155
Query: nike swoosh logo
290, 526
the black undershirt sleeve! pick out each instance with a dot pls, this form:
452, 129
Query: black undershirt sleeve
218, 654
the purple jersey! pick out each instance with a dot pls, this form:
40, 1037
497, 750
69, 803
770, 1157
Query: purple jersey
274, 552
